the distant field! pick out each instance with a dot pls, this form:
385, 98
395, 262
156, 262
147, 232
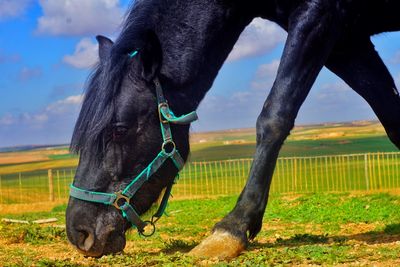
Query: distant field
296, 148
312, 140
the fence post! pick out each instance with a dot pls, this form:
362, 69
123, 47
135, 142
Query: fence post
51, 185
58, 185
366, 171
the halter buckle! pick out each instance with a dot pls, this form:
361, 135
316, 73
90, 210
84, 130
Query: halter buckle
160, 115
120, 200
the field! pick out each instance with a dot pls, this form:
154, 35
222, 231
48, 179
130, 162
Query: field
307, 229
313, 140
220, 162
303, 225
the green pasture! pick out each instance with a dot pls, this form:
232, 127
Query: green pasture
307, 229
295, 148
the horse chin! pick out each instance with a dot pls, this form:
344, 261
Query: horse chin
115, 243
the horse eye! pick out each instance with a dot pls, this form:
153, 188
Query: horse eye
119, 132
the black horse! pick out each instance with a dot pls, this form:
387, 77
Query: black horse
183, 43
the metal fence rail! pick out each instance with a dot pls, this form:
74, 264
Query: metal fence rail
355, 172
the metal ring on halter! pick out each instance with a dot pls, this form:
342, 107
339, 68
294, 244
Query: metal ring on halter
153, 229
168, 142
118, 198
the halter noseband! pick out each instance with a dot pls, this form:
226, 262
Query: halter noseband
121, 200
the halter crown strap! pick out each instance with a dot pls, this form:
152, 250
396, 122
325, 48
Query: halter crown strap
121, 200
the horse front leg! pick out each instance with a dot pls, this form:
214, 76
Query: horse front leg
313, 31
363, 70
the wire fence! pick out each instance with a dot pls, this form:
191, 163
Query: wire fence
355, 172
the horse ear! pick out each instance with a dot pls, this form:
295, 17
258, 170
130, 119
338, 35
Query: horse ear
105, 45
151, 56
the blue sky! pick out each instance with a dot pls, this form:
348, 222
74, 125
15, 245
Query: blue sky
47, 48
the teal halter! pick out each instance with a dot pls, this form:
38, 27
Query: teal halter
121, 199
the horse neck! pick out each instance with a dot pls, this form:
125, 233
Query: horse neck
193, 80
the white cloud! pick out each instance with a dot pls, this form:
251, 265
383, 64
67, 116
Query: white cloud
241, 108
13, 8
7, 119
396, 58
77, 17
64, 105
327, 101
334, 92
52, 124
9, 58
265, 75
53, 111
26, 73
238, 110
397, 79
84, 56
260, 37
333, 101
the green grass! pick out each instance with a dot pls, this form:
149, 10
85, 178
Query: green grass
63, 156
295, 148
325, 229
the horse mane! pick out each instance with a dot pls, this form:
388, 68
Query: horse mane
103, 84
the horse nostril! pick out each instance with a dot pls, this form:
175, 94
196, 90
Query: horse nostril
85, 240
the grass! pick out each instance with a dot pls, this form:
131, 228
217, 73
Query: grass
327, 229
295, 148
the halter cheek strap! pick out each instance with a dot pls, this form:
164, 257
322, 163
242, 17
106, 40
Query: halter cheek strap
122, 200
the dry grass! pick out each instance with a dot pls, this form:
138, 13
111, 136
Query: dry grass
31, 207
42, 165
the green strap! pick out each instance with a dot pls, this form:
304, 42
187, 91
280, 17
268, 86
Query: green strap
131, 189
92, 196
166, 132
184, 119
164, 202
178, 160
133, 217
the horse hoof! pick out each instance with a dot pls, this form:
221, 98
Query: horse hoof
220, 244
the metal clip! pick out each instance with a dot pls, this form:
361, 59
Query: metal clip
117, 204
151, 226
161, 116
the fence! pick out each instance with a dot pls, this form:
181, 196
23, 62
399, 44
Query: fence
356, 172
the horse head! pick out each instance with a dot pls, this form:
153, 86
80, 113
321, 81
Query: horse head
131, 144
